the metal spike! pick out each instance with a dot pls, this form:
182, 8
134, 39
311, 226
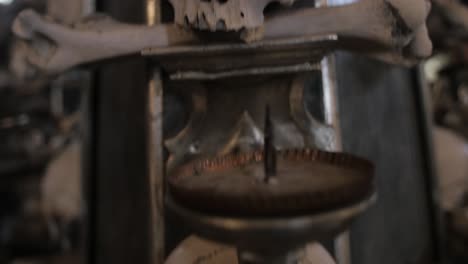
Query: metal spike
269, 148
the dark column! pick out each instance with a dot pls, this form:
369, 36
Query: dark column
120, 208
380, 119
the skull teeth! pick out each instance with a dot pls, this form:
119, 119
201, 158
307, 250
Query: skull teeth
221, 25
222, 15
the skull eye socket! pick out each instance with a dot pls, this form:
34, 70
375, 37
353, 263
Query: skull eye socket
272, 7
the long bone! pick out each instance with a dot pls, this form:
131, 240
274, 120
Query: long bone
54, 48
397, 26
393, 24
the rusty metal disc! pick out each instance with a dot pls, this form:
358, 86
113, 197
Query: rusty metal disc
305, 181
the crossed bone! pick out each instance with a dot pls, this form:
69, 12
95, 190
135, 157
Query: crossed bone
53, 48
392, 30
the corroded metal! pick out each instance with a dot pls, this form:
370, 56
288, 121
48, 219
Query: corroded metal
225, 162
155, 156
227, 123
255, 236
305, 181
227, 97
238, 111
155, 152
218, 61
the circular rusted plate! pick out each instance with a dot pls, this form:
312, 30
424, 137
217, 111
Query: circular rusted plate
307, 181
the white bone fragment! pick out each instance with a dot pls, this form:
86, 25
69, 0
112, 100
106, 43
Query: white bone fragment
54, 48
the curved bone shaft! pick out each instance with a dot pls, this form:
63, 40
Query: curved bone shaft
342, 20
66, 47
394, 24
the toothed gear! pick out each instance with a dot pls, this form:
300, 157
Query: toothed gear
307, 181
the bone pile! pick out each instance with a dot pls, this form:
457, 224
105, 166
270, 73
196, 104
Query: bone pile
392, 30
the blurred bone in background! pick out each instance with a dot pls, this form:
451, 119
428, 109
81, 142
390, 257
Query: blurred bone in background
40, 154
446, 74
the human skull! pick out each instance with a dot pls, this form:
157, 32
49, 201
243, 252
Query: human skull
222, 15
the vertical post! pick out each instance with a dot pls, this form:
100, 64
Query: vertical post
433, 186
155, 140
153, 12
89, 7
342, 243
330, 98
122, 203
156, 164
